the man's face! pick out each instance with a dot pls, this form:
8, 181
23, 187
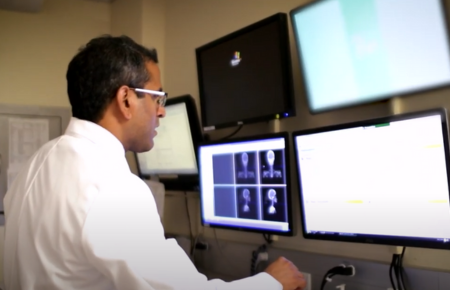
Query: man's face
147, 118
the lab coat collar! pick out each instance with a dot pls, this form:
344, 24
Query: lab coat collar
95, 133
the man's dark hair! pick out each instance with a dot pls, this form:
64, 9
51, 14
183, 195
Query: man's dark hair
100, 68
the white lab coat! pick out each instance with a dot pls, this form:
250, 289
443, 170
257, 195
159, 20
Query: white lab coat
77, 218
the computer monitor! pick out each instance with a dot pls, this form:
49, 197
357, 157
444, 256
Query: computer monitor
173, 159
380, 181
244, 184
355, 52
246, 77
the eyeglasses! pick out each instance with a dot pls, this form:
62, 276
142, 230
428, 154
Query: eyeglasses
160, 98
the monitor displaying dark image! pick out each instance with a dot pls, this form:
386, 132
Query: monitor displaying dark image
246, 76
173, 157
244, 184
355, 52
381, 181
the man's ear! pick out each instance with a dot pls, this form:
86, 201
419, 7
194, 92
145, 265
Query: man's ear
125, 100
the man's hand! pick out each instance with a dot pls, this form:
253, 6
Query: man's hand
287, 274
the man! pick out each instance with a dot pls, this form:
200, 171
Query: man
77, 218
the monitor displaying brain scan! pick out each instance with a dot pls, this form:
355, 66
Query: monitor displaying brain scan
245, 185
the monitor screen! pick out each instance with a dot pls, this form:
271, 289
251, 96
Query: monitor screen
383, 181
244, 184
246, 76
173, 157
355, 52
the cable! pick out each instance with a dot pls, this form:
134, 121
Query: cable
217, 242
233, 264
232, 134
391, 268
260, 254
338, 270
256, 258
191, 233
400, 264
396, 267
195, 246
396, 271
400, 269
268, 238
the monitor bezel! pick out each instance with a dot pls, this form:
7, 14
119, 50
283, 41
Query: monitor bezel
380, 98
181, 182
285, 136
286, 62
374, 239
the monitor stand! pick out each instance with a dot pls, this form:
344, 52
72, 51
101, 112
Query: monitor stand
154, 178
275, 126
395, 105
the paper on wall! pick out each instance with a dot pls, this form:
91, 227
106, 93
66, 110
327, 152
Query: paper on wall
26, 136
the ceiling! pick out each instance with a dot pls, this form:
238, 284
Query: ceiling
29, 5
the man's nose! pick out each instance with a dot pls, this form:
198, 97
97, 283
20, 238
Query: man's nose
161, 112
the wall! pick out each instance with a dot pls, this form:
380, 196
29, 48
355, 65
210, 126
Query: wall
126, 19
154, 30
35, 49
144, 22
230, 261
190, 24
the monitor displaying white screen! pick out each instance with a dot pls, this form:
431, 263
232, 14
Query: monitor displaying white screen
355, 52
380, 181
173, 151
244, 184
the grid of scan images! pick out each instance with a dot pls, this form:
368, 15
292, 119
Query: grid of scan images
250, 185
